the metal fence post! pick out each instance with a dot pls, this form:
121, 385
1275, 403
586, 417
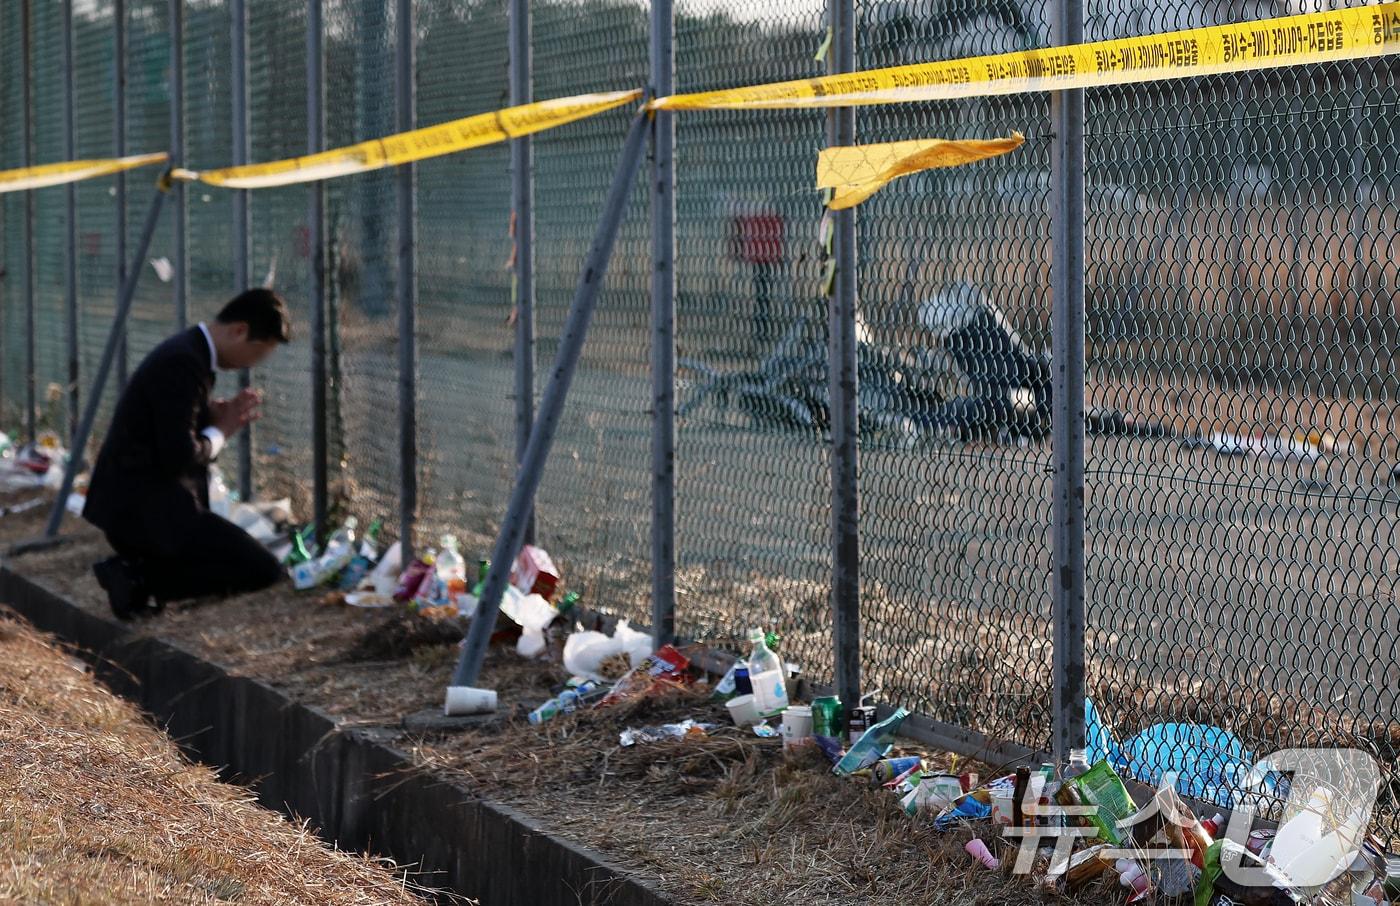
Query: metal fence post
70, 295
522, 199
842, 390
1067, 390
663, 329
408, 297
31, 425
316, 242
177, 159
119, 146
238, 14
527, 480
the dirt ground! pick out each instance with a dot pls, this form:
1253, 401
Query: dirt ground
726, 819
98, 806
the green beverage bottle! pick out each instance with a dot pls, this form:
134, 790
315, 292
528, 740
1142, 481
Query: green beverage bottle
482, 568
369, 545
300, 552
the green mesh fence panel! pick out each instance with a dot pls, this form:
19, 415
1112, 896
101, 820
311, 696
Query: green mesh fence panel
1241, 296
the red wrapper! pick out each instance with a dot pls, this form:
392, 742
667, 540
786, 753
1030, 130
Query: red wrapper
665, 666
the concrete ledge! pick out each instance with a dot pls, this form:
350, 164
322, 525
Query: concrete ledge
355, 789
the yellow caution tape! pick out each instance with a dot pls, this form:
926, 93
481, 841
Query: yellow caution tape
46, 175
857, 172
419, 144
1343, 34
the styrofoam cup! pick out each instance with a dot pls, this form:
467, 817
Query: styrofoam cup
744, 710
469, 700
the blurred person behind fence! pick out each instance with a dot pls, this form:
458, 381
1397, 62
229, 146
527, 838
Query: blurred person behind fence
756, 238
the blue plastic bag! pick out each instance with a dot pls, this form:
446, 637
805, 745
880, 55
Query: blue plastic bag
1209, 762
1098, 739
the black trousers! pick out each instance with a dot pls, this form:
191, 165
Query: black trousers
215, 558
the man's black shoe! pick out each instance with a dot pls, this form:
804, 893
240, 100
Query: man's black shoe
125, 591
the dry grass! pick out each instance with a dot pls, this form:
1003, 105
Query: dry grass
729, 818
100, 807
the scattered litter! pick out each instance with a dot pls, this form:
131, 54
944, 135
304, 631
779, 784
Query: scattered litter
666, 667
566, 702
463, 700
797, 726
22, 507
534, 573
595, 655
743, 711
977, 849
686, 729
1208, 762
368, 599
620, 669
339, 551
873, 744
34, 465
1103, 788
533, 613
412, 579
768, 677
356, 572
890, 772
384, 578
931, 794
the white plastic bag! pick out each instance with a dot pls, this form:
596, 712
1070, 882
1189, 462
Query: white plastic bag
532, 612
637, 645
584, 653
385, 576
531, 643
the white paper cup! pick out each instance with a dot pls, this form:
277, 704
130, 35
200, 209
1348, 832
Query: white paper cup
797, 725
469, 700
744, 710
1002, 805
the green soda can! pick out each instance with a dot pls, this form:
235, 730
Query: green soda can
827, 717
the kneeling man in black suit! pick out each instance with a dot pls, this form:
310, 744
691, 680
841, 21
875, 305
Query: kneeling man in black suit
149, 491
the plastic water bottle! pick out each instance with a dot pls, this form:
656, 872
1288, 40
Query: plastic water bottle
342, 543
768, 677
363, 561
451, 568
340, 549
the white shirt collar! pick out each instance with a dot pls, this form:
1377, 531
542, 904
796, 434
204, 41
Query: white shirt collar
213, 353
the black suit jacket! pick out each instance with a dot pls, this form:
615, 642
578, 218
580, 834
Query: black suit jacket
151, 480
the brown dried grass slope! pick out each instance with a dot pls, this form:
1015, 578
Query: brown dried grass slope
98, 806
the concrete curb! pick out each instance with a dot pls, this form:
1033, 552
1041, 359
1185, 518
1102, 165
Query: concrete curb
355, 789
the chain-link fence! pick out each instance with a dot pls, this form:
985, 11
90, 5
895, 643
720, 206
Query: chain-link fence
1240, 286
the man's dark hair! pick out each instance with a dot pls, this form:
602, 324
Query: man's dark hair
263, 311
